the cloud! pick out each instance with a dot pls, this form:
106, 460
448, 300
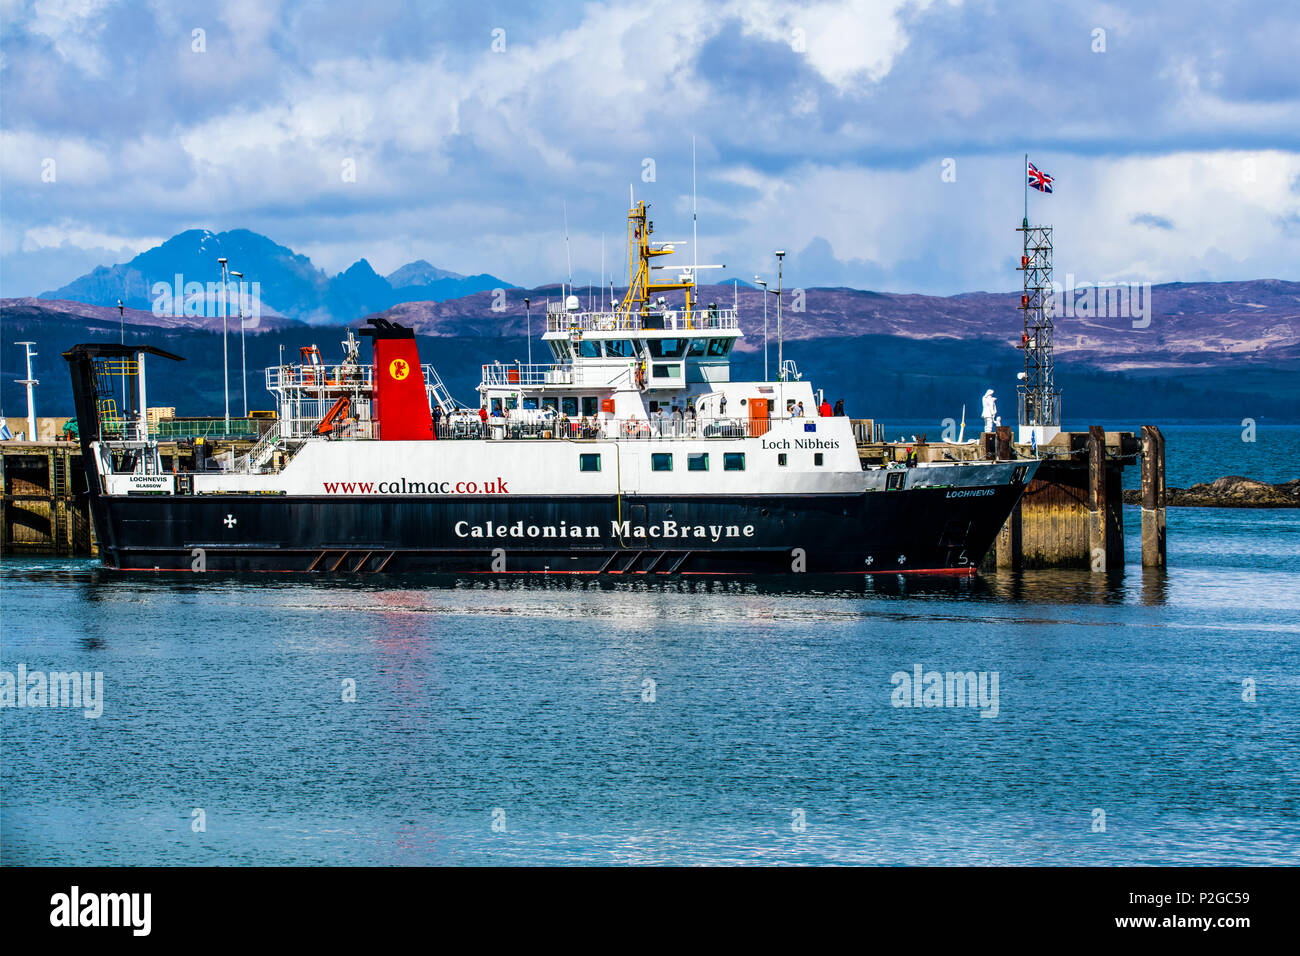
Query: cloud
1152, 220
821, 128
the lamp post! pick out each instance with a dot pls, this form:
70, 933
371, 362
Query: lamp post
780, 340
760, 282
243, 359
528, 319
225, 355
121, 325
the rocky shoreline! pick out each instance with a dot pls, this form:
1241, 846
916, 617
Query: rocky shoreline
1231, 491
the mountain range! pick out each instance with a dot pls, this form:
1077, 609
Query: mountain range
290, 284
1203, 350
1191, 324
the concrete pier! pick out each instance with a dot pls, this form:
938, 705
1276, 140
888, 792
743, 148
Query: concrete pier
1071, 515
43, 503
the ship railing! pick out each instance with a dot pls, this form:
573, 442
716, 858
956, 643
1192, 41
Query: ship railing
331, 378
122, 430
175, 429
305, 427
498, 373
678, 320
601, 429
470, 427
261, 452
319, 376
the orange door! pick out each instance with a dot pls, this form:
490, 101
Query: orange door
759, 416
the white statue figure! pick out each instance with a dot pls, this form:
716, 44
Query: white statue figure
991, 419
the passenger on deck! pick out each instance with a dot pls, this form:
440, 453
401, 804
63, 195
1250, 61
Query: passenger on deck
825, 410
839, 408
483, 417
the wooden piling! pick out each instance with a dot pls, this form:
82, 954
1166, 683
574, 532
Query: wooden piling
1153, 497
1008, 547
1097, 524
1004, 449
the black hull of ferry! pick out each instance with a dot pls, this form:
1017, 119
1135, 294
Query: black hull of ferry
920, 530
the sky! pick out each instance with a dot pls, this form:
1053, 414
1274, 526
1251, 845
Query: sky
880, 143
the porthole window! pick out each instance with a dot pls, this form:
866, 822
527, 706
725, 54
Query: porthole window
588, 463
697, 461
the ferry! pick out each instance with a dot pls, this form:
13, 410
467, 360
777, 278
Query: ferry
630, 451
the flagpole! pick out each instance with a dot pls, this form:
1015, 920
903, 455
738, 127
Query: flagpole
1025, 178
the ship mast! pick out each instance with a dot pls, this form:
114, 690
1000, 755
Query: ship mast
640, 252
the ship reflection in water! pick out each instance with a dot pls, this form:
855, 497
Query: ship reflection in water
691, 720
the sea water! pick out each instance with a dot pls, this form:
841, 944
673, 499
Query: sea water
1140, 717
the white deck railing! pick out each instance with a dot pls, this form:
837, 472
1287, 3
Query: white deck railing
697, 320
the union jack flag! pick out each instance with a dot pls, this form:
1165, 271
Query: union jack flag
1039, 179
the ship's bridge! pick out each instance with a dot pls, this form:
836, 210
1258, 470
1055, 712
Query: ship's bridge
674, 347
627, 360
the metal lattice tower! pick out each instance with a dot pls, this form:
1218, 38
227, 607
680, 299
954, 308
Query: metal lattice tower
1040, 400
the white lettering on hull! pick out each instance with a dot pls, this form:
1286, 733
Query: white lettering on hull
617, 529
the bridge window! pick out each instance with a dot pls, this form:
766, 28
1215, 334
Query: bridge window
697, 461
733, 461
589, 348
718, 347
698, 346
667, 348
620, 348
667, 371
661, 461
588, 463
